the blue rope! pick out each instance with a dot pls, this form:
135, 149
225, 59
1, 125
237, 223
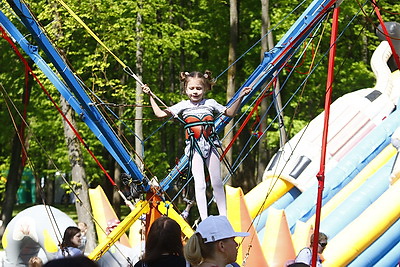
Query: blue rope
259, 40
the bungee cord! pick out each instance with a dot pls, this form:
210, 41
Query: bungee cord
78, 19
259, 40
51, 216
370, 20
141, 84
125, 67
157, 190
310, 72
53, 220
237, 163
271, 104
7, 99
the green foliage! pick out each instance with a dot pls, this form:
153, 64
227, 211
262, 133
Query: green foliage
176, 36
2, 187
71, 186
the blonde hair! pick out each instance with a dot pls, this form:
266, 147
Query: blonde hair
35, 262
321, 236
196, 250
205, 78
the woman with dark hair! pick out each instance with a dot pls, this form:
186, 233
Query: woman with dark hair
163, 245
70, 243
78, 261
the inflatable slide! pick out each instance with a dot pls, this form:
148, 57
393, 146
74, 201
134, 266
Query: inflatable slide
361, 210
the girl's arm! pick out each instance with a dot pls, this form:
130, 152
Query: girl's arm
232, 110
156, 109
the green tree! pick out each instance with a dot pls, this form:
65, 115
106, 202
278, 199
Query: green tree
177, 36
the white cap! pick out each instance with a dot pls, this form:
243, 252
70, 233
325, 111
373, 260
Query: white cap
215, 228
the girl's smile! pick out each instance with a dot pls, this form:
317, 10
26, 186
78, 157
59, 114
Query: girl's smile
195, 90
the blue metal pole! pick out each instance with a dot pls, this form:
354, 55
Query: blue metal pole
71, 88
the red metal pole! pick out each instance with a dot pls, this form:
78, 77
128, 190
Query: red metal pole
321, 173
394, 53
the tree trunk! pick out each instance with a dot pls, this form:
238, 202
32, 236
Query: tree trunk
277, 89
80, 186
49, 185
82, 202
231, 85
267, 44
116, 203
139, 94
13, 182
262, 152
17, 163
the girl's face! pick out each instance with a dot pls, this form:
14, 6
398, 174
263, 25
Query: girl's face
76, 240
195, 90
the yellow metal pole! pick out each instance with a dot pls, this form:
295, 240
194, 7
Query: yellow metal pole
140, 208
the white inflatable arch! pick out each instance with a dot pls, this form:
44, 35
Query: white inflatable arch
30, 231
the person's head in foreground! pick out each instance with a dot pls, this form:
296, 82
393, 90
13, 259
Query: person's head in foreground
79, 261
213, 243
164, 238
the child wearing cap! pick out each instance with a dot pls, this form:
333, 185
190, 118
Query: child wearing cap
213, 244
